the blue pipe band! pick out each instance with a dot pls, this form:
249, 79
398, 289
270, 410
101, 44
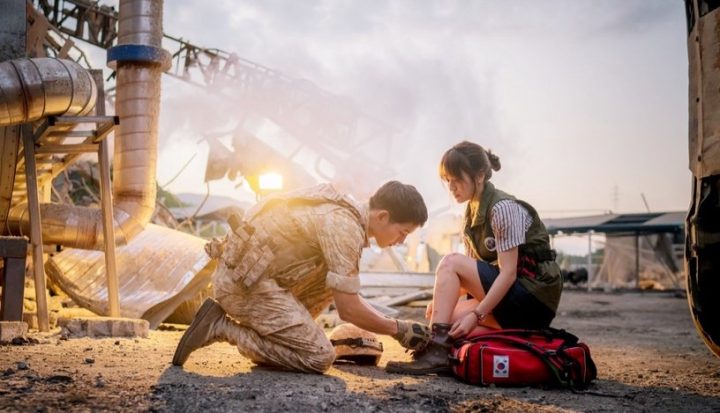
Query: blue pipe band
138, 53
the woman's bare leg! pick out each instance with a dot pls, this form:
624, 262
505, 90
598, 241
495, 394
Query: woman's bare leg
453, 272
464, 307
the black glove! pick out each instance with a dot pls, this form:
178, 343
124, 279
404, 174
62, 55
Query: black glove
412, 334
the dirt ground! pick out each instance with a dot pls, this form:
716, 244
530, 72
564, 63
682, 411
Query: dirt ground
648, 355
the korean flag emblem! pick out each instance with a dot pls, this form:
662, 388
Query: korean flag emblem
501, 366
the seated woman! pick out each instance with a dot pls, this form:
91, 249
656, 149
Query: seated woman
510, 274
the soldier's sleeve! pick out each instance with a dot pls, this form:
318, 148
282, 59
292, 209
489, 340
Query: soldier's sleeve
341, 240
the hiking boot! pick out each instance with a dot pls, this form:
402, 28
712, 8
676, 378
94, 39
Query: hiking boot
207, 327
433, 359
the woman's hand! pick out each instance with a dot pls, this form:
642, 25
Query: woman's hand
464, 326
428, 310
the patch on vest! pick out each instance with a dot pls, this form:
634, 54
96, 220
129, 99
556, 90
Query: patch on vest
490, 243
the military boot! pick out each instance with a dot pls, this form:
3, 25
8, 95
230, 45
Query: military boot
210, 325
431, 359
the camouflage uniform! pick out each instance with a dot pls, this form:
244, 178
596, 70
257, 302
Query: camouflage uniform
278, 268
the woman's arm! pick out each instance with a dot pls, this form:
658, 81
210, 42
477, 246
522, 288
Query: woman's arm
509, 222
507, 261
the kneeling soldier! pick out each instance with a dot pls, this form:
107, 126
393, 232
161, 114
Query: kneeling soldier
287, 260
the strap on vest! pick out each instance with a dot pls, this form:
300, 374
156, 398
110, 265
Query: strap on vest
240, 227
358, 342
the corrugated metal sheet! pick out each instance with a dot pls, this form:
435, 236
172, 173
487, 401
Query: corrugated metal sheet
619, 223
158, 270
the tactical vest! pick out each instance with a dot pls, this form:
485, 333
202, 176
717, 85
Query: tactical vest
480, 242
249, 248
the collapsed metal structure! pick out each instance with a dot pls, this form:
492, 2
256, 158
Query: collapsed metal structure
31, 90
153, 277
137, 103
331, 125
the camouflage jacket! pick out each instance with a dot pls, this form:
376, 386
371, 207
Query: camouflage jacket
310, 239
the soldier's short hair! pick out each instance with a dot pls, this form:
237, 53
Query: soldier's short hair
402, 201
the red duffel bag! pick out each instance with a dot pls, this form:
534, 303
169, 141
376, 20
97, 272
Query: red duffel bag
546, 358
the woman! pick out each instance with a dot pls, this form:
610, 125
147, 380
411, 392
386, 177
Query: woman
509, 274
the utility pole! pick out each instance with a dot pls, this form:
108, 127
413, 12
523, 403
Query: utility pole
647, 207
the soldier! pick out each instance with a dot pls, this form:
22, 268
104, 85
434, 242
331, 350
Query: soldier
510, 271
287, 260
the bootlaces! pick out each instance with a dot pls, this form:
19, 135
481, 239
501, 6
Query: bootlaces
418, 352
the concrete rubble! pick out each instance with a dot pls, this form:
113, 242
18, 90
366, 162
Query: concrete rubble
103, 327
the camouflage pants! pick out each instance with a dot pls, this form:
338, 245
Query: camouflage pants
274, 328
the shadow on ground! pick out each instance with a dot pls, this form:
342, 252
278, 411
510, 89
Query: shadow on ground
273, 391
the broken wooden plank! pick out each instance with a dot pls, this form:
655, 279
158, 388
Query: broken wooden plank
385, 292
390, 312
397, 279
406, 298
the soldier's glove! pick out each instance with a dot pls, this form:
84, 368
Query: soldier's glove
412, 334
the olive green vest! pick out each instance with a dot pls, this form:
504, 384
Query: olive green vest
480, 242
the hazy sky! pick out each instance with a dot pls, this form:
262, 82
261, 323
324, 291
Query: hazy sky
585, 102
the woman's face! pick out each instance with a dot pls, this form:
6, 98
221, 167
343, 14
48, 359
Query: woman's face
462, 188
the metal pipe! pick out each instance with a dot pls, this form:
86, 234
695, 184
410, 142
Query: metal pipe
139, 60
31, 89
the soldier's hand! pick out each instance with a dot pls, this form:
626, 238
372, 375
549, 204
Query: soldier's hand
412, 334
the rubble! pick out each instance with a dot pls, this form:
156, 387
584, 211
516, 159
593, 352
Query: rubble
104, 327
11, 330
